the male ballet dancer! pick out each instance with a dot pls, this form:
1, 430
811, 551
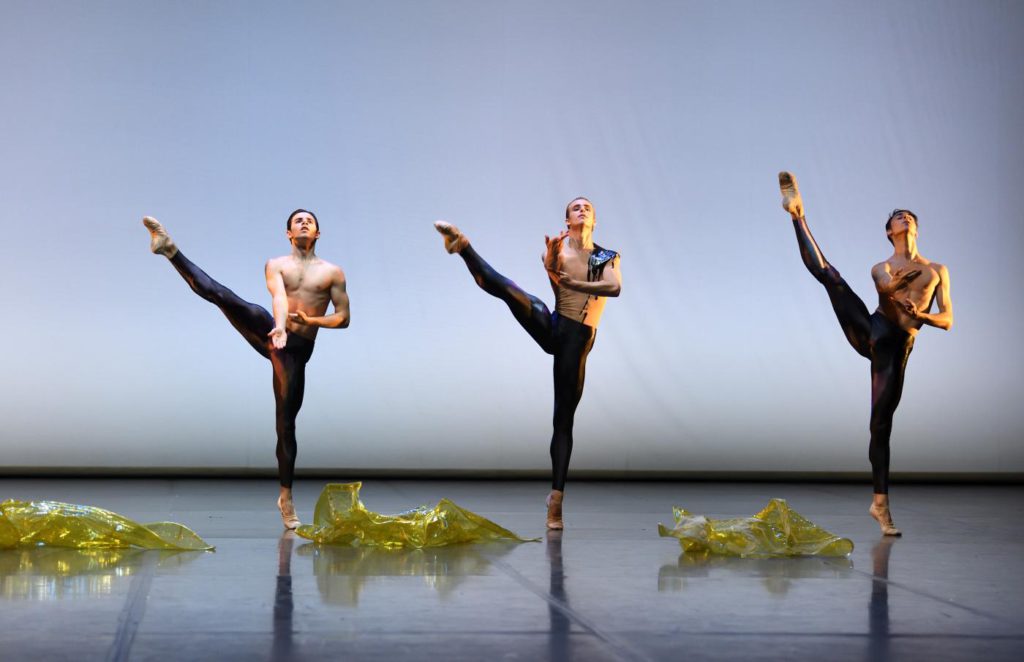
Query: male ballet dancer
301, 286
907, 284
582, 275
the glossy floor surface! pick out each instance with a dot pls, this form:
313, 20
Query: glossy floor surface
606, 588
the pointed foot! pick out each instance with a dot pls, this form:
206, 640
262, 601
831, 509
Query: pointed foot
288, 516
554, 502
882, 515
454, 240
159, 241
791, 200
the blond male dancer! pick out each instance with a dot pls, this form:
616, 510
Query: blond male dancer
582, 275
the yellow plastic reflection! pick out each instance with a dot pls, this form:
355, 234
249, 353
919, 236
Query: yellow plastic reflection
32, 523
778, 530
340, 518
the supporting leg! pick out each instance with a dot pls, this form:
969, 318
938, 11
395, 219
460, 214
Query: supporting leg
573, 343
289, 386
891, 349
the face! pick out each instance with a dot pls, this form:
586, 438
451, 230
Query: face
580, 214
303, 225
902, 222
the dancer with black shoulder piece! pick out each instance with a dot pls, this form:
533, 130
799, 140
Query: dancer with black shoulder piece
301, 287
582, 275
908, 285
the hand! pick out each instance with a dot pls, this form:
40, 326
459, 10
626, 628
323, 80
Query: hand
910, 308
901, 278
565, 280
278, 337
551, 254
299, 317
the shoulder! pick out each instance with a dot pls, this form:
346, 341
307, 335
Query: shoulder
880, 268
337, 273
277, 263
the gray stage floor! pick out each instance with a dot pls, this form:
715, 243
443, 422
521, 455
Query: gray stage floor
606, 588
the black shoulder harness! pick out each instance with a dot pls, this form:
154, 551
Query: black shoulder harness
599, 258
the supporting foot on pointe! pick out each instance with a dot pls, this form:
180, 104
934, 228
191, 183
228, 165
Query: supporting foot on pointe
159, 241
884, 519
288, 516
791, 200
554, 502
454, 240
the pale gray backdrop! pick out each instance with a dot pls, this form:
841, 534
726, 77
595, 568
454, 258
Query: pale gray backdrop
674, 117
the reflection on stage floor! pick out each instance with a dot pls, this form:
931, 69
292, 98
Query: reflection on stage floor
606, 588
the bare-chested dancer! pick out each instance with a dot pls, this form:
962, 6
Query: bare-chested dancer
582, 275
907, 284
301, 287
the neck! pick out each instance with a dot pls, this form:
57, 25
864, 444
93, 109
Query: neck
303, 249
905, 246
582, 236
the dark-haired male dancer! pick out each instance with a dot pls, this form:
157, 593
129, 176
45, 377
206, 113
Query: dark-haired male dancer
907, 284
582, 274
301, 286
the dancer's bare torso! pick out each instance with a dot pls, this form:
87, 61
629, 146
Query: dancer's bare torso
573, 304
310, 284
931, 285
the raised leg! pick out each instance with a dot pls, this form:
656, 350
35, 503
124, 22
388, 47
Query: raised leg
850, 310
250, 320
531, 313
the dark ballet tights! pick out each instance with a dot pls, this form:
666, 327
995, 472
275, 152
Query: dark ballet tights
873, 336
289, 364
568, 341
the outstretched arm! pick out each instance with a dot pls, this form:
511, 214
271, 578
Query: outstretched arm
279, 297
610, 284
942, 319
339, 319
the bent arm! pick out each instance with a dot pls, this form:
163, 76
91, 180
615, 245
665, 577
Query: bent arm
944, 318
339, 319
610, 284
888, 282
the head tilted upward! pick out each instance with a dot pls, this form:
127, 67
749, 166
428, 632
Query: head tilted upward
901, 221
303, 227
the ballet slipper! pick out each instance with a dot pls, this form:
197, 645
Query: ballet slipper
554, 502
159, 241
454, 240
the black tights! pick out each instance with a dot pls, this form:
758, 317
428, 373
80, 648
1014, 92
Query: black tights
568, 341
873, 336
254, 323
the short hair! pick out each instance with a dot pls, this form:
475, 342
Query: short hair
888, 223
288, 223
578, 197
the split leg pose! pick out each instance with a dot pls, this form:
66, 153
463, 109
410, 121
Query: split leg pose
301, 287
907, 285
582, 275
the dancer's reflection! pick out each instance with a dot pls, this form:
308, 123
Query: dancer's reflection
283, 606
558, 636
878, 608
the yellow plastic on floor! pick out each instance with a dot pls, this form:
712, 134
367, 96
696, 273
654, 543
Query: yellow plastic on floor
34, 523
778, 530
340, 518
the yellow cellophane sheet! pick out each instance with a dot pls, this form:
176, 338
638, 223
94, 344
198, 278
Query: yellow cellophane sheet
778, 530
340, 518
33, 523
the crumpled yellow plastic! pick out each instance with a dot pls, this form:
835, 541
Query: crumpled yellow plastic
340, 518
778, 530
33, 523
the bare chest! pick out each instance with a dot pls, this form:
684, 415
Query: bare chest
574, 262
310, 279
